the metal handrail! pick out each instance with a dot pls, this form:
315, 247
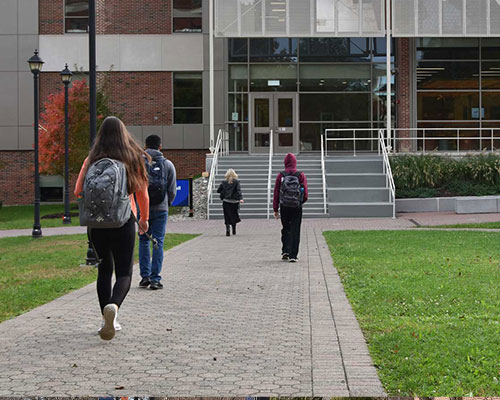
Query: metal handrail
483, 138
270, 172
388, 171
323, 175
213, 170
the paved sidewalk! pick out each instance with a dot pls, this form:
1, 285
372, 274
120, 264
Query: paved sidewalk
404, 221
233, 320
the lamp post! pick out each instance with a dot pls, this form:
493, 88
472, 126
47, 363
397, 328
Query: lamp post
66, 76
36, 63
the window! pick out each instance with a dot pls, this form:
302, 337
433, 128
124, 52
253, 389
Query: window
188, 98
187, 15
76, 16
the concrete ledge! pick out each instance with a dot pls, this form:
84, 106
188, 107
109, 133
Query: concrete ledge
460, 205
476, 205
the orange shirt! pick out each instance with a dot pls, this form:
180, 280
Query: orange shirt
142, 195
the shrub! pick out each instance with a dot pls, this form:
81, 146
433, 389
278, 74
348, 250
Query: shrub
415, 176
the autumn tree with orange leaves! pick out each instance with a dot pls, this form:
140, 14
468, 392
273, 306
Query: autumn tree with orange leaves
52, 132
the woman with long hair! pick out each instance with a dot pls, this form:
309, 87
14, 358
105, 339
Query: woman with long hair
116, 245
230, 194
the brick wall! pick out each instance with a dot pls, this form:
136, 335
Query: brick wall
50, 82
187, 162
133, 17
141, 98
51, 14
403, 94
17, 178
113, 17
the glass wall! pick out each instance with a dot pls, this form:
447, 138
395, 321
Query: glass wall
458, 86
340, 82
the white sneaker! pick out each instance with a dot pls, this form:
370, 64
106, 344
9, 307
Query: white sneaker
118, 327
110, 312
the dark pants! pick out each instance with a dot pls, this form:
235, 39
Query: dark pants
291, 218
114, 246
231, 215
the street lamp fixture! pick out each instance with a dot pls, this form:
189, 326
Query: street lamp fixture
36, 63
66, 76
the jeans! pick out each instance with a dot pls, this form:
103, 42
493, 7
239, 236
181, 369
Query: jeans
291, 219
151, 267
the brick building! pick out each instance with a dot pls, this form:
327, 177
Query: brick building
305, 79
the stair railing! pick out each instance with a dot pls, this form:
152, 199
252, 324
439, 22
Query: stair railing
323, 174
387, 171
219, 148
270, 172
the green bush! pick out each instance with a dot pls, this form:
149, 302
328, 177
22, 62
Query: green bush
432, 176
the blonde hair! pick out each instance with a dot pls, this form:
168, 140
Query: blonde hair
230, 175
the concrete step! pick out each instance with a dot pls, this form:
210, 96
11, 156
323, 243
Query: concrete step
353, 210
353, 165
358, 195
355, 180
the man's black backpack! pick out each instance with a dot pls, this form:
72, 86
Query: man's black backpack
157, 175
290, 195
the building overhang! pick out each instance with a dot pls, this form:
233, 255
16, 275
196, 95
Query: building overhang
356, 18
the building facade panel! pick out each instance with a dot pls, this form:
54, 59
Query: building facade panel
8, 50
8, 17
28, 17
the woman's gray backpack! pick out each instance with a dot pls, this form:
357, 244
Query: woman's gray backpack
105, 202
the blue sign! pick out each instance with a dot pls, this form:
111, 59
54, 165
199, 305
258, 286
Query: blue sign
182, 196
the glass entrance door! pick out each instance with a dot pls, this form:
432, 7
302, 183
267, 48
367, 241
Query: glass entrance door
276, 112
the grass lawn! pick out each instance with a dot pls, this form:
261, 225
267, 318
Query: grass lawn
21, 217
36, 271
429, 306
480, 225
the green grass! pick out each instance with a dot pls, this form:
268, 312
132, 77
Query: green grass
21, 217
36, 271
479, 225
428, 303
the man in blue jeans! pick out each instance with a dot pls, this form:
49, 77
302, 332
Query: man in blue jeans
162, 189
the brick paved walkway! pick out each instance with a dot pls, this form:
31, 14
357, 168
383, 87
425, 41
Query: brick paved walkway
233, 320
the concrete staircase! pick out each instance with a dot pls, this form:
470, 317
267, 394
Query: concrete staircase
357, 187
253, 173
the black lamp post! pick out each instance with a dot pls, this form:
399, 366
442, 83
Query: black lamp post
66, 76
36, 63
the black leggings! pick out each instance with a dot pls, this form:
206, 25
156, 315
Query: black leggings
116, 244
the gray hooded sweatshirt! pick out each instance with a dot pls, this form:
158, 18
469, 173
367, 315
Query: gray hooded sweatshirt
171, 182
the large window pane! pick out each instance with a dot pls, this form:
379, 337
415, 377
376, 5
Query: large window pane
261, 113
188, 98
271, 78
491, 106
490, 48
448, 106
238, 50
335, 107
188, 90
238, 137
278, 49
490, 75
285, 113
77, 8
447, 49
188, 116
334, 49
187, 15
76, 25
238, 78
380, 77
238, 103
448, 75
332, 78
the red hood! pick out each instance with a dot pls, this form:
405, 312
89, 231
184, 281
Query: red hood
290, 163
